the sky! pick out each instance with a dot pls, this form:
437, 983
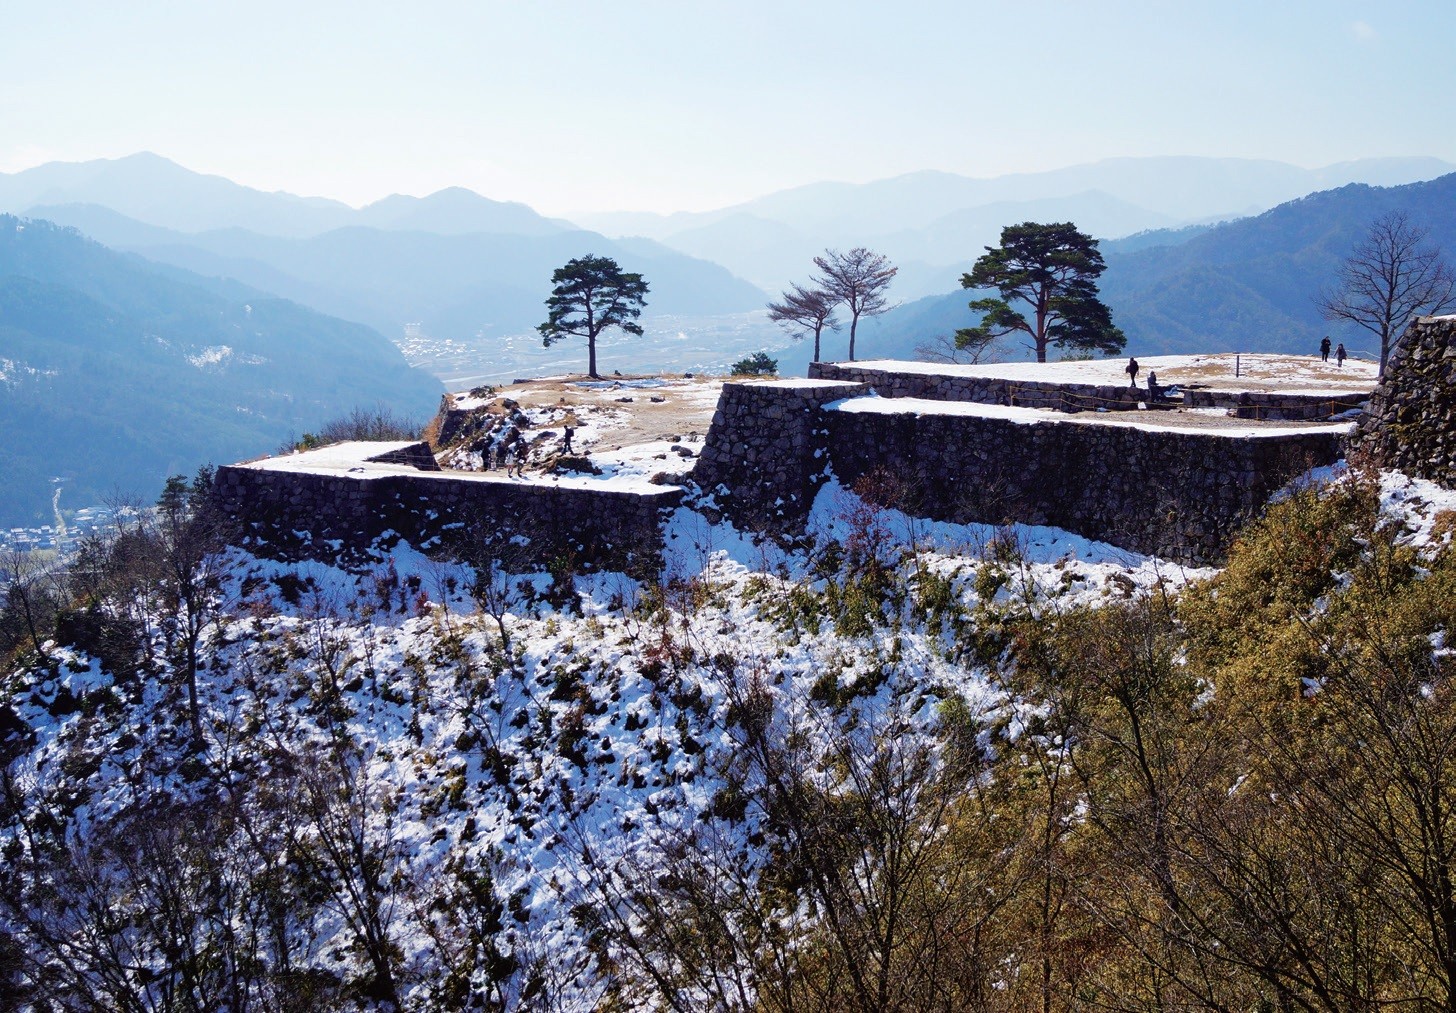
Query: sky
681, 105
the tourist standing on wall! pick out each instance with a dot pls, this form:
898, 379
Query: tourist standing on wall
1152, 385
1131, 370
1325, 349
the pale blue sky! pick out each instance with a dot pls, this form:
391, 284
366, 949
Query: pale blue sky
670, 105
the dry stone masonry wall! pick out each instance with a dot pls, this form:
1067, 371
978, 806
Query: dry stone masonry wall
1067, 397
338, 516
764, 457
1411, 422
1181, 495
1267, 406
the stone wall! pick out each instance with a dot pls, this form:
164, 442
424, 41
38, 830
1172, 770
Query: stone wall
1272, 406
1411, 422
335, 517
1077, 397
1067, 397
1181, 495
763, 459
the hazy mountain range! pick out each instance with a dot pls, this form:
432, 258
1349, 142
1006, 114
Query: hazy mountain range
1245, 285
222, 326
460, 264
933, 224
158, 191
472, 266
115, 372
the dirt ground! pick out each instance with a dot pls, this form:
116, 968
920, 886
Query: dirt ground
642, 409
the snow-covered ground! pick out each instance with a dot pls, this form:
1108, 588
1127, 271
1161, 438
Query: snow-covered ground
1215, 424
1289, 374
586, 734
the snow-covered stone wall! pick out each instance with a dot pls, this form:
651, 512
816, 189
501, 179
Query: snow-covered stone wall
1411, 423
1181, 494
1056, 395
1067, 396
335, 517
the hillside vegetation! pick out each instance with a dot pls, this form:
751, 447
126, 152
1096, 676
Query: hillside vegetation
898, 767
115, 373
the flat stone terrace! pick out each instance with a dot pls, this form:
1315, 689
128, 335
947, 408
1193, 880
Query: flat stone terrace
1261, 387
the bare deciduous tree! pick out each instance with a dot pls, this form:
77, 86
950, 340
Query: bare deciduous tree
1391, 276
805, 311
945, 348
858, 279
29, 595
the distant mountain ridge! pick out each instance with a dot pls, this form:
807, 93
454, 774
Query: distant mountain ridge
456, 285
938, 222
467, 268
157, 191
1178, 187
115, 373
1245, 285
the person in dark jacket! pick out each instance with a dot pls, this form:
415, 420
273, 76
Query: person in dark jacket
1131, 370
1152, 385
1340, 355
1325, 349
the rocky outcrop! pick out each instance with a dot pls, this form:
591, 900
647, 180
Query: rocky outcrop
1411, 422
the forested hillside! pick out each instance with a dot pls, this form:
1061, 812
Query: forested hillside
898, 767
115, 373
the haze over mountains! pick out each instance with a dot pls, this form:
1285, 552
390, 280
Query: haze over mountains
934, 223
459, 264
471, 274
1245, 285
115, 373
158, 191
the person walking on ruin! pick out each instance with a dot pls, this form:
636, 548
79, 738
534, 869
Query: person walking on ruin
566, 439
502, 449
1340, 355
1131, 370
517, 467
1325, 349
